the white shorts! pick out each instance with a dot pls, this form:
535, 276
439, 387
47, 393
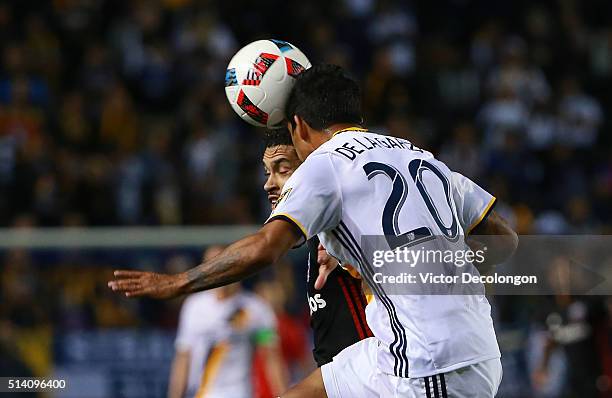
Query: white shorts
353, 373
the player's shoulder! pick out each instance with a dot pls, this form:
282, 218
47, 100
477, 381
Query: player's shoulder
312, 168
198, 299
194, 306
461, 182
254, 301
260, 311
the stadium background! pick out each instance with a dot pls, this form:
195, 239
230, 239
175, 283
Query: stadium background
113, 113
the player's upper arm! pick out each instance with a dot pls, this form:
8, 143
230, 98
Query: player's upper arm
473, 203
483, 227
311, 198
494, 225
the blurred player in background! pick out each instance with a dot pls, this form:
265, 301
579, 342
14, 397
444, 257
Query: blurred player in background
337, 308
217, 335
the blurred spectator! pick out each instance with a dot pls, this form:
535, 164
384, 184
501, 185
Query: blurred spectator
501, 116
514, 73
461, 152
119, 121
580, 114
83, 80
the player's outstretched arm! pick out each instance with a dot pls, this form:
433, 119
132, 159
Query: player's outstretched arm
497, 236
236, 262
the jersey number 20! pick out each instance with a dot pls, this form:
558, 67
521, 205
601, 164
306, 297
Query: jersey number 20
398, 195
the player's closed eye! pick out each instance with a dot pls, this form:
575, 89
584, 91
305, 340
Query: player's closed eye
284, 169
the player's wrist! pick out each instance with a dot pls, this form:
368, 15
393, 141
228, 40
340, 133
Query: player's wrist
182, 283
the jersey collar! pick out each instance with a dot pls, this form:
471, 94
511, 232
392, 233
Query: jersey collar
349, 129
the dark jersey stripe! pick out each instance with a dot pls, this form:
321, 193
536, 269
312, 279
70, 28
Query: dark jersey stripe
351, 307
427, 387
333, 326
403, 340
434, 380
443, 385
359, 299
393, 347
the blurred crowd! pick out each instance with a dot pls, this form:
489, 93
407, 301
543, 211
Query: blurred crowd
114, 113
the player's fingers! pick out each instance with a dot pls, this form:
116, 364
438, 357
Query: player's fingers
324, 258
320, 282
136, 293
324, 271
124, 273
320, 248
124, 284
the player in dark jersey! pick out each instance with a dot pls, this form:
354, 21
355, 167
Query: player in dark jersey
337, 310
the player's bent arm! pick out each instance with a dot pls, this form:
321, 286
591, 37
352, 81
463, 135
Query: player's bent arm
497, 236
236, 262
243, 258
179, 374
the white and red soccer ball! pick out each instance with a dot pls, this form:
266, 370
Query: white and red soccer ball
258, 80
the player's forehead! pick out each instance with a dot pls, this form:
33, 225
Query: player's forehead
278, 153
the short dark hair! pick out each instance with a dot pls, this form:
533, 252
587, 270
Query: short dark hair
324, 95
276, 137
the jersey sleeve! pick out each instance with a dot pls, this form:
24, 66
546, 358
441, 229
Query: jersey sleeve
311, 198
473, 203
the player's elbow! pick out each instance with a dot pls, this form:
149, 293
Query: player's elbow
496, 234
505, 242
265, 252
509, 243
272, 241
263, 256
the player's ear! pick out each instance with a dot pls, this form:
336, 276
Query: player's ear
301, 128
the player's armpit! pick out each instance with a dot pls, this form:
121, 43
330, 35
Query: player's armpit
243, 258
497, 236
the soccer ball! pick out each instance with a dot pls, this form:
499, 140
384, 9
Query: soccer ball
258, 80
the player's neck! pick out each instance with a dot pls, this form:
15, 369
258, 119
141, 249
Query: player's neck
334, 128
320, 137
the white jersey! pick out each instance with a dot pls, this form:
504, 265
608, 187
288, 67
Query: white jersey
361, 184
219, 336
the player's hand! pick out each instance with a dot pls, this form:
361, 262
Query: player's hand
327, 264
147, 284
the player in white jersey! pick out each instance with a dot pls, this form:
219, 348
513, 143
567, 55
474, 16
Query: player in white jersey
217, 335
354, 184
421, 338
